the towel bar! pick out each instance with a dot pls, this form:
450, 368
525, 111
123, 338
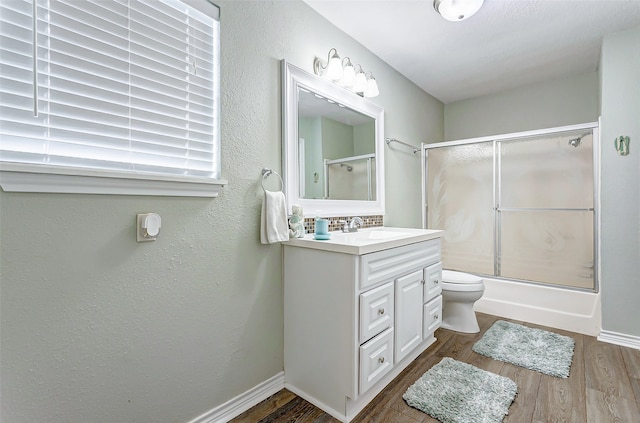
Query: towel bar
390, 140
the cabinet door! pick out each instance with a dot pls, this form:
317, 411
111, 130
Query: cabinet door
376, 359
376, 311
408, 323
432, 316
432, 281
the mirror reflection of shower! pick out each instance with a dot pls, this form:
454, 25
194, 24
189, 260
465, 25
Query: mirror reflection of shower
350, 178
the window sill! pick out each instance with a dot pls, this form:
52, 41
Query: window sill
47, 179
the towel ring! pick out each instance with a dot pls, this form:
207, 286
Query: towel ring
265, 174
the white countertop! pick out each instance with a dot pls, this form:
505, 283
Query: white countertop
368, 240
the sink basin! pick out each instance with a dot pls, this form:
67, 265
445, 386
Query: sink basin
372, 234
366, 240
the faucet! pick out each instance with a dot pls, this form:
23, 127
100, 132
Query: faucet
351, 225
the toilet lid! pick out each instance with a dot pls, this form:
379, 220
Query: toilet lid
452, 276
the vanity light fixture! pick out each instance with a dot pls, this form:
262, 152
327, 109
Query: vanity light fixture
333, 69
457, 10
346, 75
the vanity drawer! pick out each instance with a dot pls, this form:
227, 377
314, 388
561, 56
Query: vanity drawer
376, 311
388, 264
432, 316
376, 359
432, 281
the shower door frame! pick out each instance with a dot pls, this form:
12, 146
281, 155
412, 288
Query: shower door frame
519, 136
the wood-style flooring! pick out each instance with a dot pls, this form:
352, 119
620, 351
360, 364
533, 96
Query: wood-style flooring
603, 387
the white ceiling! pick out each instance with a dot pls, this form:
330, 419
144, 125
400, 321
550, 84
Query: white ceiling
507, 44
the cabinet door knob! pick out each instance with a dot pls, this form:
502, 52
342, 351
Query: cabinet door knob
381, 311
381, 360
423, 282
435, 317
436, 282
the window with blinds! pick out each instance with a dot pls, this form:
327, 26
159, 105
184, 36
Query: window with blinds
111, 87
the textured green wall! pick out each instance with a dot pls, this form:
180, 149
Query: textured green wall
558, 102
620, 180
98, 328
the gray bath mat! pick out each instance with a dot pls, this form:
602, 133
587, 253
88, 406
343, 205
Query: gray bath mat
535, 349
455, 392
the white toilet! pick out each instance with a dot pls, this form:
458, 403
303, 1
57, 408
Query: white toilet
459, 292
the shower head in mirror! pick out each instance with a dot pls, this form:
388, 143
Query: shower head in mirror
575, 142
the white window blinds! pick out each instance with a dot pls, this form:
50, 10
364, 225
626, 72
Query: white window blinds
121, 85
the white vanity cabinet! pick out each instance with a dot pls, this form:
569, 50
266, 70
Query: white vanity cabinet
353, 322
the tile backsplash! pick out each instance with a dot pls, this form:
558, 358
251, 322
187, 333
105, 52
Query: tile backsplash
335, 225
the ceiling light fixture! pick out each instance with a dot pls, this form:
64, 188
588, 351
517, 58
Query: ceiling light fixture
343, 73
457, 10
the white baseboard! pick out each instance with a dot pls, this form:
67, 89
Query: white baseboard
238, 405
621, 339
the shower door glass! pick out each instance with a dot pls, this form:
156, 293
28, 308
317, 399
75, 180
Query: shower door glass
516, 208
460, 201
545, 209
554, 247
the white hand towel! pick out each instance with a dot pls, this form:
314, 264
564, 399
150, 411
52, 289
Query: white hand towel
274, 226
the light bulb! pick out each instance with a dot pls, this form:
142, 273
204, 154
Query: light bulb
334, 68
361, 82
372, 88
348, 76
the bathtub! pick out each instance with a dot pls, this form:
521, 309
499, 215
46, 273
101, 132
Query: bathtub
575, 311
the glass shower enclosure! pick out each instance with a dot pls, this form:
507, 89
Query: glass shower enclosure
518, 207
350, 178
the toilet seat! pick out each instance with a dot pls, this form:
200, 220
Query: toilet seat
461, 282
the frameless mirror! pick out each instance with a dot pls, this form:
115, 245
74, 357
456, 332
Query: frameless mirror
332, 147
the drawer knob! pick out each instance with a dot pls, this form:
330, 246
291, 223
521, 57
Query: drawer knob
381, 311
381, 360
